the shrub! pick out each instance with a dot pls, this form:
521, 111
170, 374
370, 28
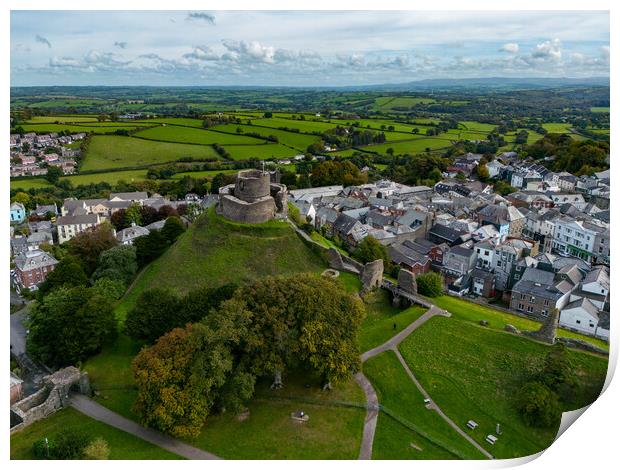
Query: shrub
70, 445
98, 449
430, 284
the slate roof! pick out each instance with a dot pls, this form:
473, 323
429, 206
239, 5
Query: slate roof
445, 233
33, 260
77, 219
344, 224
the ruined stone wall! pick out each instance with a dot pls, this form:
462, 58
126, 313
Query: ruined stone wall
249, 213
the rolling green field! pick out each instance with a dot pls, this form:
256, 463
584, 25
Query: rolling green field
104, 128
174, 121
123, 446
187, 135
62, 119
298, 141
399, 394
389, 103
303, 126
473, 372
119, 151
262, 151
599, 109
30, 183
419, 145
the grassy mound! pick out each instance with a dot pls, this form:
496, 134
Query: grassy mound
215, 251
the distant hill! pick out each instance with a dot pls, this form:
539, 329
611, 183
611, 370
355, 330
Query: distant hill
490, 82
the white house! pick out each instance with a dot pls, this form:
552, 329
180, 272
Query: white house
584, 316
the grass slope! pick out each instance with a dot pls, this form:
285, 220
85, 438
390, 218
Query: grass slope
215, 251
475, 373
397, 392
123, 446
472, 312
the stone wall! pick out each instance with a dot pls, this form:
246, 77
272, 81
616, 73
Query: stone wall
53, 396
249, 213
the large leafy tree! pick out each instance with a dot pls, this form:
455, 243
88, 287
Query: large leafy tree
87, 246
539, 405
150, 247
117, 263
156, 312
70, 325
369, 249
172, 229
68, 272
430, 284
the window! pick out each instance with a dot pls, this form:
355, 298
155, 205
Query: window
499, 263
530, 309
520, 307
546, 302
544, 313
532, 299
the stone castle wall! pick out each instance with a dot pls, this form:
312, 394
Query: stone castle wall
253, 198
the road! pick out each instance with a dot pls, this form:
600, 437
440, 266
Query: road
18, 333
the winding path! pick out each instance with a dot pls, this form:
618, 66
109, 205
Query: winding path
372, 413
370, 423
100, 413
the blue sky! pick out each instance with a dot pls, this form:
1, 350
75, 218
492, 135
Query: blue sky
296, 48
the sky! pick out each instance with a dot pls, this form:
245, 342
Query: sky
297, 48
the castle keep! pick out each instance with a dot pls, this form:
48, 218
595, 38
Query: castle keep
256, 197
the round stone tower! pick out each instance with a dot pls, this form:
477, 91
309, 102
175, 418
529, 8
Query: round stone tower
252, 185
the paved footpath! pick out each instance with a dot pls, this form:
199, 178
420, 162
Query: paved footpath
393, 342
372, 413
434, 406
96, 411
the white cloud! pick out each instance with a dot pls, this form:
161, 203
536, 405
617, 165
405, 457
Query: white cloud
121, 44
511, 47
548, 50
202, 53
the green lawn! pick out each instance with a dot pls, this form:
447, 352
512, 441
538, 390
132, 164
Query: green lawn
497, 319
118, 152
187, 135
473, 372
599, 109
381, 316
123, 446
303, 126
399, 394
558, 127
333, 432
174, 121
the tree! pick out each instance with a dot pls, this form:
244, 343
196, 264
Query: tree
483, 172
133, 215
117, 263
430, 284
150, 247
87, 246
156, 312
109, 288
172, 229
22, 198
53, 174
390, 151
369, 249
218, 181
268, 114
68, 272
69, 325
539, 406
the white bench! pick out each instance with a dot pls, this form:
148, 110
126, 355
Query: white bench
471, 424
491, 439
